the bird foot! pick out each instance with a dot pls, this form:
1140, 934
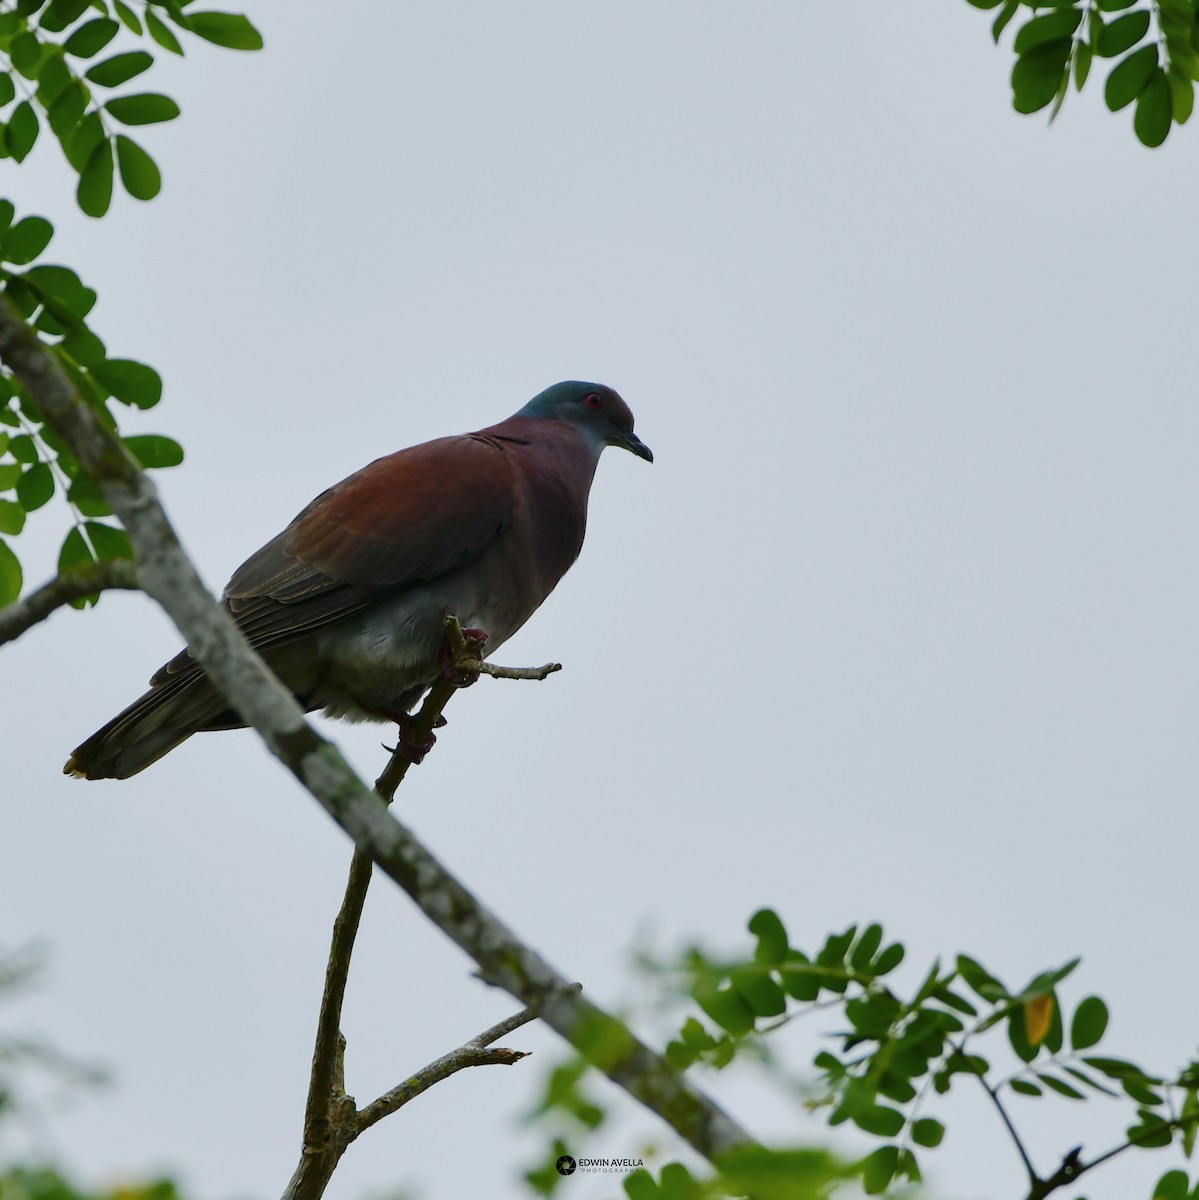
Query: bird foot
475, 640
406, 747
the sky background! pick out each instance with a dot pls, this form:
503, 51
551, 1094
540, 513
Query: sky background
899, 625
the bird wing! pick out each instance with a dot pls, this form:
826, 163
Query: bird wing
403, 520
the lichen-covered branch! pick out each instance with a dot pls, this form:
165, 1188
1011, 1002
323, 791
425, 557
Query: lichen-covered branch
84, 580
167, 574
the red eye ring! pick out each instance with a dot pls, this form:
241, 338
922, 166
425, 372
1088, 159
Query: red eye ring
594, 400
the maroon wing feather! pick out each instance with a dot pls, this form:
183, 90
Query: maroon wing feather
402, 520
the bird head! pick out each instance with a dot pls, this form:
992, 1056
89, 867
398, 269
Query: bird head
598, 412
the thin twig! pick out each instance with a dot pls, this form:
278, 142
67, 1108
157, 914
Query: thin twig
317, 1163
80, 581
486, 668
478, 1052
330, 1121
1034, 1180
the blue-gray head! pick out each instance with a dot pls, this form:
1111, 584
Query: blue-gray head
598, 412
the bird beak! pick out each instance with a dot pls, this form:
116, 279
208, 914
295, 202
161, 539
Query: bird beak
632, 443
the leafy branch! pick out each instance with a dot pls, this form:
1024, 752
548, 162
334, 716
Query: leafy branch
897, 1053
45, 51
1156, 43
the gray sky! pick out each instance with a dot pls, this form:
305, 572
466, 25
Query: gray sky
899, 625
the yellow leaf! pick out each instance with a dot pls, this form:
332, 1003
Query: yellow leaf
1038, 1013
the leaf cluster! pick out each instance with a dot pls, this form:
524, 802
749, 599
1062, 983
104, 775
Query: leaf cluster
1153, 48
57, 71
897, 1053
34, 462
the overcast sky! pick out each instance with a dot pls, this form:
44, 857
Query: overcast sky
900, 624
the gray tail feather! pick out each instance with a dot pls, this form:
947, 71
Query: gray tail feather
151, 726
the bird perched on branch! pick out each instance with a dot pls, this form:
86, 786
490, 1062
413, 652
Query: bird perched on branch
347, 603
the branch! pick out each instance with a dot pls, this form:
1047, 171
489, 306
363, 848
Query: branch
74, 584
329, 1117
167, 574
317, 1163
478, 1052
1034, 1180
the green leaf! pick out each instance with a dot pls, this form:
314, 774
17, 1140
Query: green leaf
1140, 1091
927, 1132
1037, 75
879, 1120
63, 290
74, 551
53, 76
21, 131
80, 144
799, 977
1182, 92
35, 486
161, 33
985, 3
153, 451
91, 38
1089, 1023
62, 13
1172, 1185
1018, 1035
128, 17
10, 473
1128, 77
1005, 15
85, 496
889, 959
108, 540
8, 89
1155, 109
26, 240
130, 382
12, 517
23, 448
768, 928
1049, 28
144, 108
1082, 64
83, 346
25, 53
878, 1169
726, 1007
1025, 1087
1114, 5
1122, 34
112, 72
231, 30
10, 575
1089, 1081
67, 111
94, 193
1151, 1134
139, 172
866, 947
1060, 1086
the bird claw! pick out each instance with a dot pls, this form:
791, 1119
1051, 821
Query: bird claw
413, 751
475, 640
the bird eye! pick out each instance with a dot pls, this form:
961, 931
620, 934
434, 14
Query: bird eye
595, 401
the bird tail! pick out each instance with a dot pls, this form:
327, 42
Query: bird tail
151, 726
